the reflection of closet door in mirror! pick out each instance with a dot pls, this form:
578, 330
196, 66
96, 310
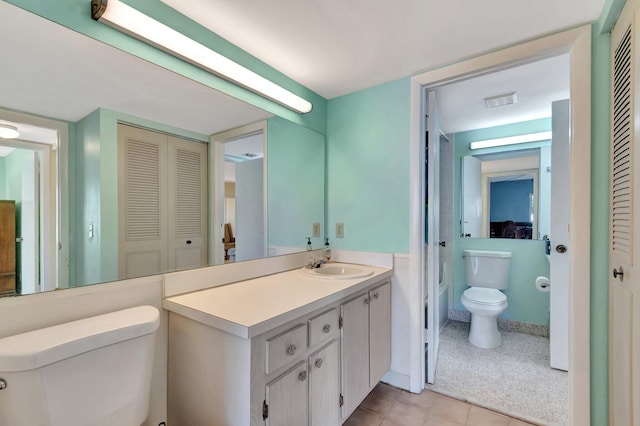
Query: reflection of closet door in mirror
7, 246
187, 204
162, 203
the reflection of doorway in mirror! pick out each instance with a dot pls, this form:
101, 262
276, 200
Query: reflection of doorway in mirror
20, 178
245, 210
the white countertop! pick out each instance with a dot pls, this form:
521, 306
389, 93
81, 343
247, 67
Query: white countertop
249, 308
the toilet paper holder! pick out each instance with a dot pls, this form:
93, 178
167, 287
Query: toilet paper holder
543, 284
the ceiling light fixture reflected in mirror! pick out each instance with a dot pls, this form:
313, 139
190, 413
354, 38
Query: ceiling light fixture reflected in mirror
8, 132
511, 140
138, 25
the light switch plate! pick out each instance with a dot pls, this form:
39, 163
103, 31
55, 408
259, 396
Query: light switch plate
339, 230
316, 230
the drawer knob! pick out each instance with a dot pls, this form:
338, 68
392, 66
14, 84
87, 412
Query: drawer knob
326, 328
291, 349
318, 362
302, 376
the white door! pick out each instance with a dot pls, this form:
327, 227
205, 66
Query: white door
559, 276
324, 386
472, 197
250, 232
355, 343
143, 201
624, 285
187, 233
433, 235
379, 332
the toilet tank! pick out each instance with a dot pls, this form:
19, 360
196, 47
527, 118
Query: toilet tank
95, 371
488, 269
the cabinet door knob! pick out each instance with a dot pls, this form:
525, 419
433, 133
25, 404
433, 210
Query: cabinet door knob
302, 376
326, 328
375, 296
291, 349
319, 362
366, 300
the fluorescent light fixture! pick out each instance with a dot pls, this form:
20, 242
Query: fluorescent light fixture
8, 132
138, 25
511, 140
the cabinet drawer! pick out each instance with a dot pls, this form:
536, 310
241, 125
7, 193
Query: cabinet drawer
284, 347
323, 327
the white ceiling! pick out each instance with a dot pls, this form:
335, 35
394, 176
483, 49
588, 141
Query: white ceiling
461, 105
335, 47
59, 73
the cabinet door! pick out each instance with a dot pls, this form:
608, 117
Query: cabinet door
324, 391
287, 398
380, 332
355, 352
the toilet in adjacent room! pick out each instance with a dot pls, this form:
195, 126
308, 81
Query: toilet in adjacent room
91, 372
487, 272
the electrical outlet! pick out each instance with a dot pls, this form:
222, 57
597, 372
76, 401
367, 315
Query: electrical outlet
316, 230
339, 230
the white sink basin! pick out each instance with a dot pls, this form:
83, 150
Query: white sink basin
339, 272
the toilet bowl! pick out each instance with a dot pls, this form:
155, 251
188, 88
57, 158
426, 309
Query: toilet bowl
485, 304
487, 272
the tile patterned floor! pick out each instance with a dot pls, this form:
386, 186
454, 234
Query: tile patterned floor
389, 406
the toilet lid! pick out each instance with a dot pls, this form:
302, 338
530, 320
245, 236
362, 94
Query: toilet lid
484, 296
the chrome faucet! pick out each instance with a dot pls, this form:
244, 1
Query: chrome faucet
316, 263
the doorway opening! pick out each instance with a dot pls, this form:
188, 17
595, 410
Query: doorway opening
575, 43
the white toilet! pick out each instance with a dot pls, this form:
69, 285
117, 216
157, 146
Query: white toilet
487, 272
91, 372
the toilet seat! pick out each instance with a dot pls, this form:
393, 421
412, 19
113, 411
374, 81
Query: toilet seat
484, 296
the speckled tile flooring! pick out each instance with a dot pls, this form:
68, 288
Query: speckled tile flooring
389, 406
514, 378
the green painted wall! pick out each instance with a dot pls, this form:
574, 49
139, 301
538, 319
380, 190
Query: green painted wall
75, 14
528, 261
368, 168
295, 183
600, 130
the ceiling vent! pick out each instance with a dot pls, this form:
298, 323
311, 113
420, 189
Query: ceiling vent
501, 100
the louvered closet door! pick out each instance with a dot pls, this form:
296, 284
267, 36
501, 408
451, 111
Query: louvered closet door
188, 209
624, 283
142, 195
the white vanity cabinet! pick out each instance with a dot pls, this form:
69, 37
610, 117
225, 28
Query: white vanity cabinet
366, 344
284, 370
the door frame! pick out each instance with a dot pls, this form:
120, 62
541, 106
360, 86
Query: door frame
216, 185
54, 223
577, 43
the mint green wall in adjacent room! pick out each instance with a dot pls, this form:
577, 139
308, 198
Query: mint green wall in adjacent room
526, 304
368, 168
76, 15
295, 183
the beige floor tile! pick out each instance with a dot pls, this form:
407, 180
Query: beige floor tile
424, 399
380, 399
440, 422
402, 414
482, 417
362, 417
445, 409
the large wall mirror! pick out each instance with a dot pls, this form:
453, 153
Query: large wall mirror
506, 194
78, 186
